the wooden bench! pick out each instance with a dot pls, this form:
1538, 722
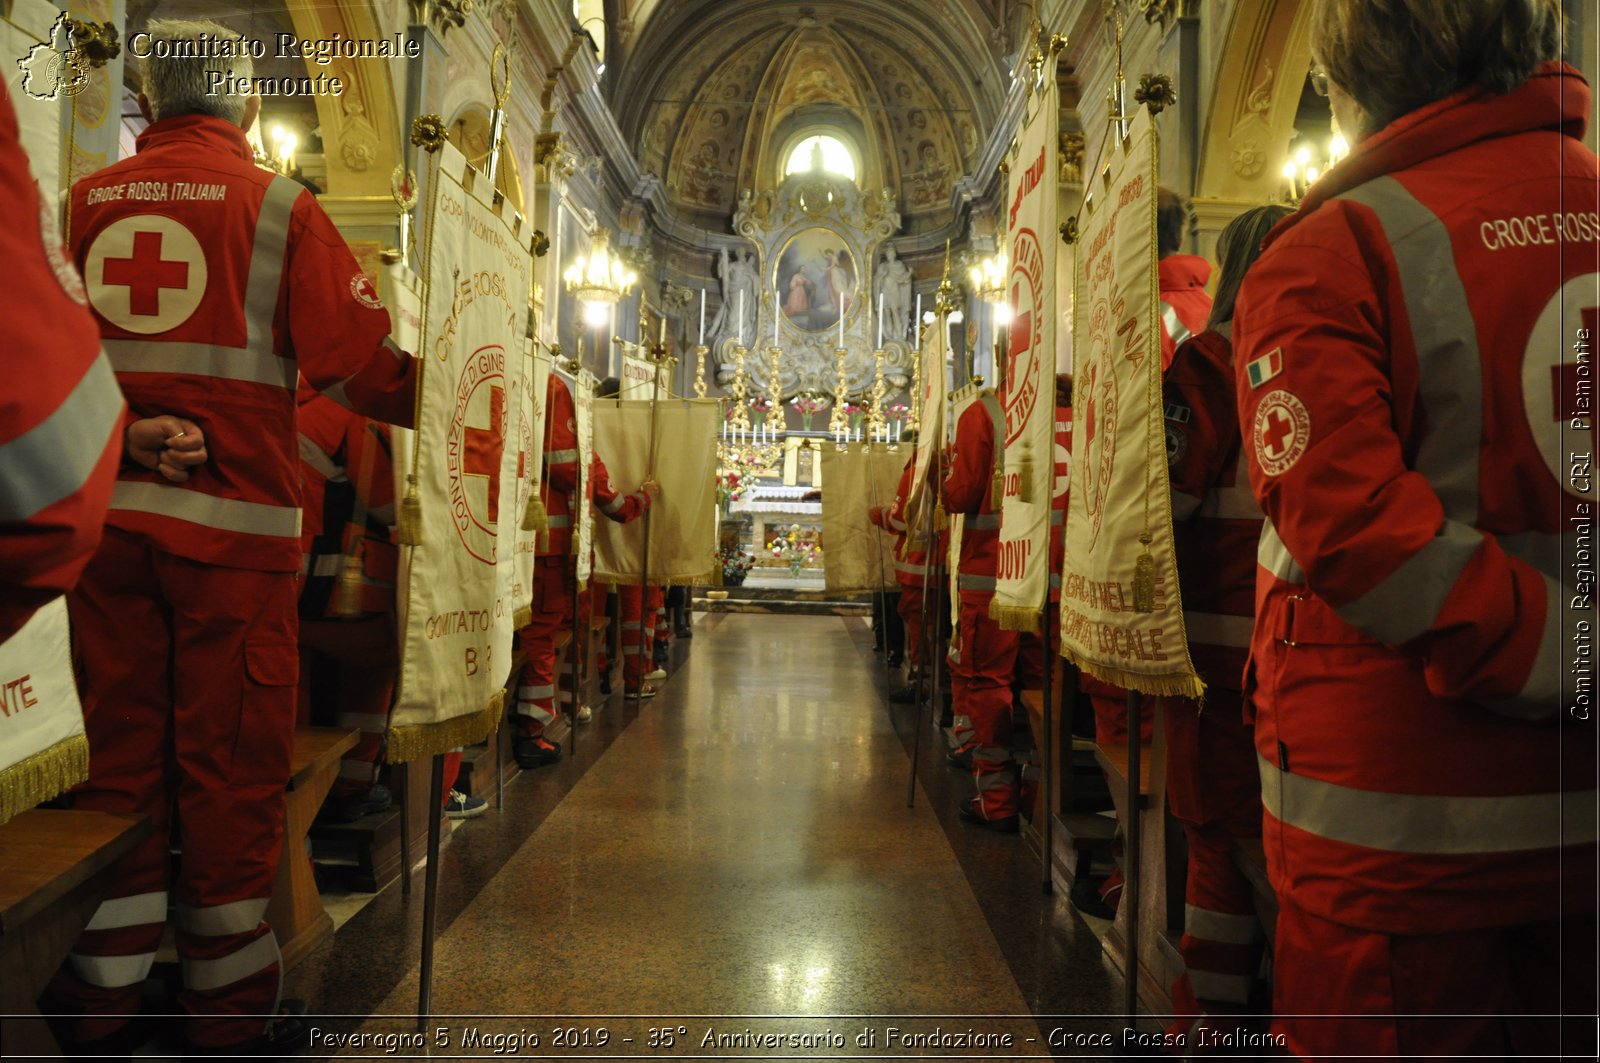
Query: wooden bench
295, 912
55, 867
1113, 760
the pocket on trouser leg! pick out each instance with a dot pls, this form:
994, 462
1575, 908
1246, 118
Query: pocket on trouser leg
265, 736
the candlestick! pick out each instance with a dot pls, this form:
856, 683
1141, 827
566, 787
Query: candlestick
841, 319
703, 315
916, 326
774, 315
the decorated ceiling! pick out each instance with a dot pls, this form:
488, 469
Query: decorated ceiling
713, 94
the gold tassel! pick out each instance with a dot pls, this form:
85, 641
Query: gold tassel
347, 594
997, 487
941, 519
535, 518
1025, 486
1144, 579
522, 617
409, 530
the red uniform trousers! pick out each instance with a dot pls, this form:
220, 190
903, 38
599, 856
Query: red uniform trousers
910, 606
661, 635
553, 582
980, 682
188, 683
635, 658
357, 662
1214, 790
591, 601
1477, 994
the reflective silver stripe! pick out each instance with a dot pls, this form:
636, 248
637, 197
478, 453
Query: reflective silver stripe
1173, 324
1406, 602
1424, 823
219, 920
560, 457
327, 565
267, 262
52, 459
907, 569
1055, 581
1184, 506
613, 507
1227, 988
140, 909
1450, 367
112, 972
982, 522
370, 722
1541, 695
896, 525
221, 514
1273, 556
975, 583
559, 523
1218, 629
203, 359
537, 713
1225, 927
534, 693
337, 394
258, 956
313, 455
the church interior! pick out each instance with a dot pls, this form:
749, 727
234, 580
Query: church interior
732, 814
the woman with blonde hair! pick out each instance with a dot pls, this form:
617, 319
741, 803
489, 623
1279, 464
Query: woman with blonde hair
1411, 346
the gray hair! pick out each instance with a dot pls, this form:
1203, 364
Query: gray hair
193, 67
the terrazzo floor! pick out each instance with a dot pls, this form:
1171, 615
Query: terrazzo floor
728, 871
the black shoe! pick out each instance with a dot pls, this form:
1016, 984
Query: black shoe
1085, 897
896, 659
348, 808
684, 632
960, 758
659, 659
285, 1036
968, 811
535, 752
906, 695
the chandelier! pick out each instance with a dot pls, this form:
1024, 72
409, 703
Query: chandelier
989, 284
599, 280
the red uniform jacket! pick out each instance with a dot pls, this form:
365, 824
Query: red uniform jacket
347, 484
1185, 305
1058, 501
215, 283
911, 558
61, 414
560, 480
968, 489
1409, 396
1216, 520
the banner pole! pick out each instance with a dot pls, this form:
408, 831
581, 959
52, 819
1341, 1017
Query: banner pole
881, 593
1130, 990
430, 894
1047, 752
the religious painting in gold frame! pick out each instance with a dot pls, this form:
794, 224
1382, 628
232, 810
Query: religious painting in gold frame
814, 270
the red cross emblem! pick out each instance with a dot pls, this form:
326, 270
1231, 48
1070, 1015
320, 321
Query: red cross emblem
484, 446
145, 273
1282, 431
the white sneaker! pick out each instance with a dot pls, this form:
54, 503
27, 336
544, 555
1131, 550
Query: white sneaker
585, 714
659, 673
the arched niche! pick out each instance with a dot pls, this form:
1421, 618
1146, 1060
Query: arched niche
470, 131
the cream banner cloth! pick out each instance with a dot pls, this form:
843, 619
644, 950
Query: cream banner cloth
583, 513
42, 746
1022, 568
455, 605
857, 555
533, 440
516, 589
683, 520
1121, 615
637, 373
922, 500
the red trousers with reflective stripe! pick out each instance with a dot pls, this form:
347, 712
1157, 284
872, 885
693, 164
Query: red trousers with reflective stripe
980, 682
635, 660
188, 684
553, 580
1214, 790
910, 605
1445, 996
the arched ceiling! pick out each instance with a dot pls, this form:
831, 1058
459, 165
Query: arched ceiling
711, 93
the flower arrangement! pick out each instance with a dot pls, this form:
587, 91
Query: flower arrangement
730, 488
896, 413
808, 406
856, 412
796, 549
736, 563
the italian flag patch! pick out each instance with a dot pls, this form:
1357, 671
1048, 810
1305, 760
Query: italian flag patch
1266, 367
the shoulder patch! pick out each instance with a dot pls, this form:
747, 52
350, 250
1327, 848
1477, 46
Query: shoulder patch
1282, 432
363, 291
1265, 368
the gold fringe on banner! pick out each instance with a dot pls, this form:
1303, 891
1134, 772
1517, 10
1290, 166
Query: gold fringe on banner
422, 740
522, 617
1161, 686
1014, 617
43, 775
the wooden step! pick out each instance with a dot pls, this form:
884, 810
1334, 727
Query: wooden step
1113, 760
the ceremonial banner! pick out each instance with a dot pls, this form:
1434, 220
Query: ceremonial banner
582, 388
1121, 615
637, 373
533, 446
683, 520
455, 606
1022, 567
43, 750
514, 483
923, 497
857, 555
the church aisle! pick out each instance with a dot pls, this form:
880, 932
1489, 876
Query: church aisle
741, 846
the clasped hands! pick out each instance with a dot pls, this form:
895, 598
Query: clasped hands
169, 445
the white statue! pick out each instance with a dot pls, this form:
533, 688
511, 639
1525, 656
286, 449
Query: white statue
893, 288
737, 316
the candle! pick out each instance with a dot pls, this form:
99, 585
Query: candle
916, 326
741, 317
703, 315
841, 319
880, 321
663, 340
774, 322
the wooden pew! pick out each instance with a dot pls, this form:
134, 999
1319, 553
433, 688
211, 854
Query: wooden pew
295, 912
55, 867
1074, 832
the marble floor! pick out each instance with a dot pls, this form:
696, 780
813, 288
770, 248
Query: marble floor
729, 870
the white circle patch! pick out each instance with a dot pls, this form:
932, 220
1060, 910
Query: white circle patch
146, 273
1282, 432
365, 292
1558, 378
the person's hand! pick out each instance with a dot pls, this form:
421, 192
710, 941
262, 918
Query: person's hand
651, 488
169, 445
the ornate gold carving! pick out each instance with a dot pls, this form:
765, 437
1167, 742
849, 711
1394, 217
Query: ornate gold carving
1073, 144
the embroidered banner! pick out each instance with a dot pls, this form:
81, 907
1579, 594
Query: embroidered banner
455, 605
1022, 567
43, 750
535, 520
637, 373
1121, 615
683, 528
857, 555
582, 388
923, 497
